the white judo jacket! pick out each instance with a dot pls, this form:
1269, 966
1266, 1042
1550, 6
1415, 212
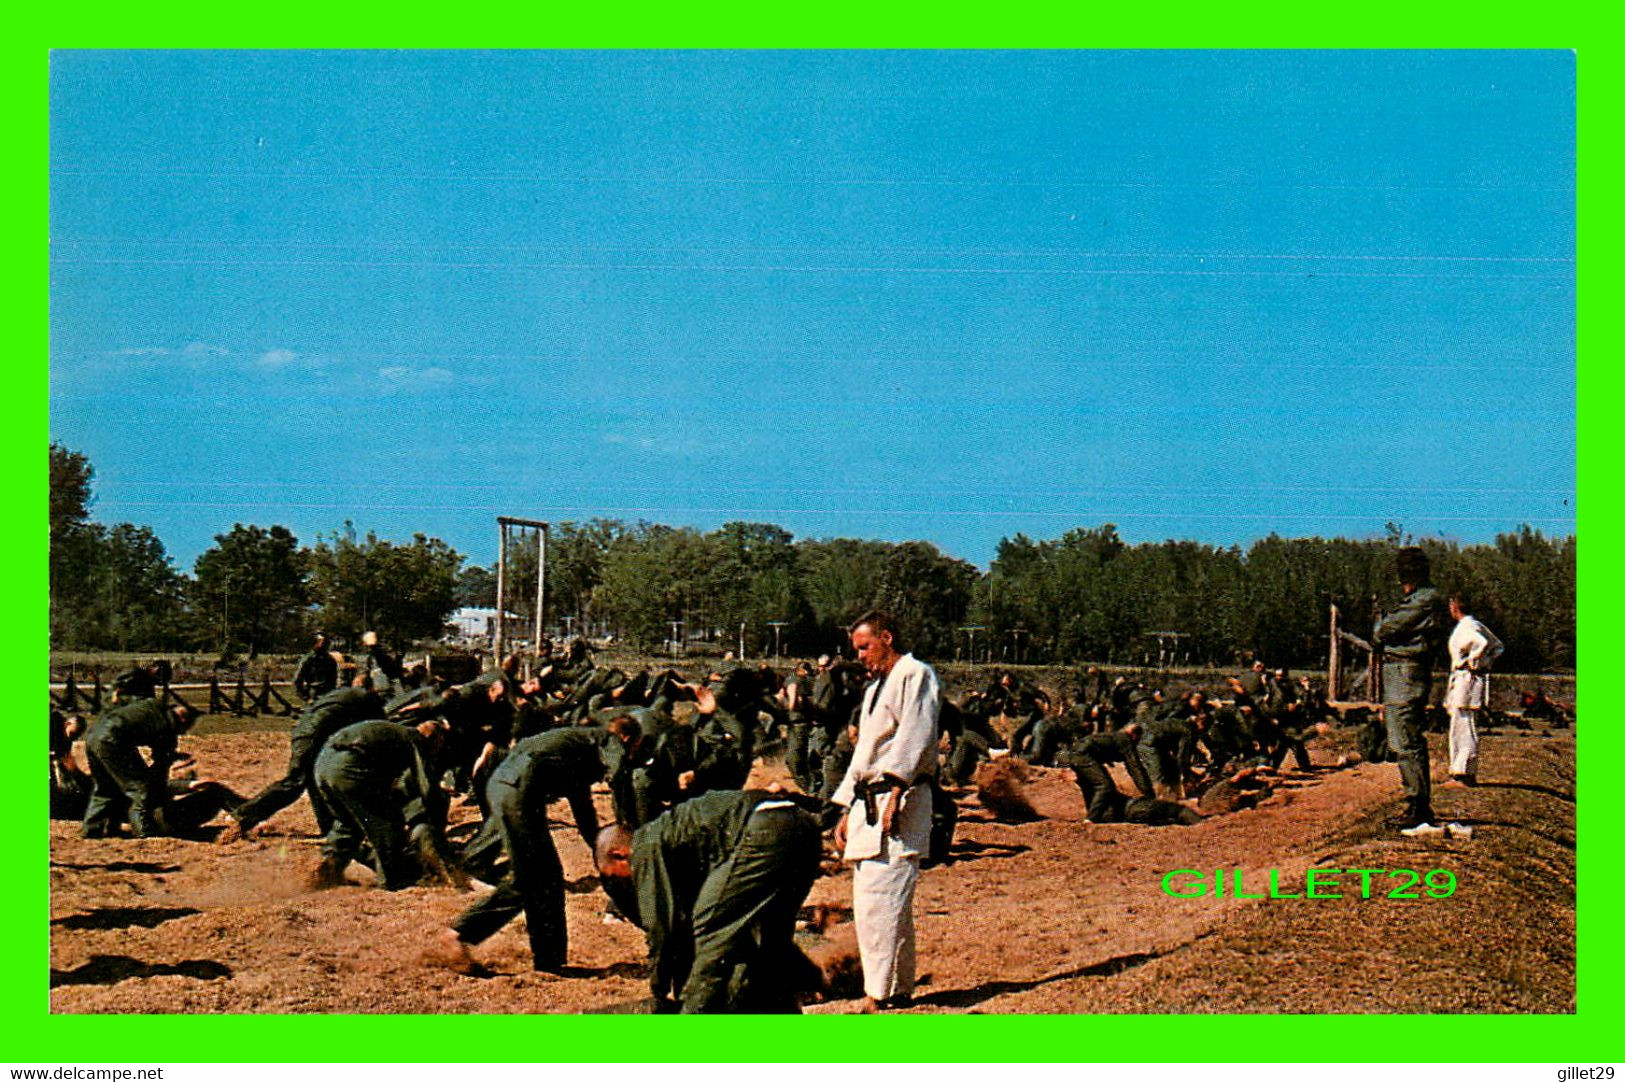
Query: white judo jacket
897, 736
1473, 649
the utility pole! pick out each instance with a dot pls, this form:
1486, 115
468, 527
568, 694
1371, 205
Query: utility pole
776, 625
971, 632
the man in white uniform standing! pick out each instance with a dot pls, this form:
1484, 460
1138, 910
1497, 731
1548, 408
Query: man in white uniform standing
886, 830
1472, 648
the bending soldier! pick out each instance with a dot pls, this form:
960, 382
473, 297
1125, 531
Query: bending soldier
324, 717
716, 884
377, 780
1055, 731
1089, 761
121, 781
557, 764
971, 736
1165, 751
70, 783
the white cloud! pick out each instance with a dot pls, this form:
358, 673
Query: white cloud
400, 377
276, 358
192, 351
653, 444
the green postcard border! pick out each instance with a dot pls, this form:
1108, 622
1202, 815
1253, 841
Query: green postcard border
34, 1035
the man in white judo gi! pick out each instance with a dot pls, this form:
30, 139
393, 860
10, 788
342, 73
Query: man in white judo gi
886, 830
1472, 649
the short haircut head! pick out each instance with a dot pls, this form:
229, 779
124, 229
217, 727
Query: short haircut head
613, 844
1412, 566
432, 731
626, 727
878, 620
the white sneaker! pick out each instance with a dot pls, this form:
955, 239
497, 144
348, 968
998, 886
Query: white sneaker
1459, 830
1423, 830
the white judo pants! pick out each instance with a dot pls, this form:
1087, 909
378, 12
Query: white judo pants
883, 911
1463, 742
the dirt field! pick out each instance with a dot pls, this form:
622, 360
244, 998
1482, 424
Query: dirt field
1058, 915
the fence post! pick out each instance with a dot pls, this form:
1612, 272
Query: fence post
1334, 664
288, 709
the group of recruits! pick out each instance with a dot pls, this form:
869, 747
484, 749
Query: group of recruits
713, 873
1167, 743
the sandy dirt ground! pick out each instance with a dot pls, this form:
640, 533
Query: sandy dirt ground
1057, 915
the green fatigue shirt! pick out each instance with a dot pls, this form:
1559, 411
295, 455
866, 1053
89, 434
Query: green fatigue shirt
388, 755
1101, 749
142, 723
672, 856
1411, 636
567, 762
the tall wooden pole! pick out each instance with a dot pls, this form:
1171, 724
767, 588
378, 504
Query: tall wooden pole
502, 600
1374, 676
541, 588
1334, 663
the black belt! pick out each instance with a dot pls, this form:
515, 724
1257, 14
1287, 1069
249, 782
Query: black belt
867, 791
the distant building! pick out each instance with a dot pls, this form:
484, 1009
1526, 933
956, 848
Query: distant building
477, 625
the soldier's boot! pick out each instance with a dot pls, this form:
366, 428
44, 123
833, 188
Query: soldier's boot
326, 874
438, 866
238, 830
446, 950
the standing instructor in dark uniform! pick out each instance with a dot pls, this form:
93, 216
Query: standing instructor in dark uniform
1410, 637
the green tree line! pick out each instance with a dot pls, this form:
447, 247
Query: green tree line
1085, 596
255, 590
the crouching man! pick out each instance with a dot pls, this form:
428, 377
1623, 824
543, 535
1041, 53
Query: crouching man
375, 781
716, 883
558, 764
122, 782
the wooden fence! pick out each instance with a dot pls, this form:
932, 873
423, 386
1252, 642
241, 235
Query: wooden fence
236, 697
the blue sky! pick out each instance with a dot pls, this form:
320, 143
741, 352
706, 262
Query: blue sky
949, 296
